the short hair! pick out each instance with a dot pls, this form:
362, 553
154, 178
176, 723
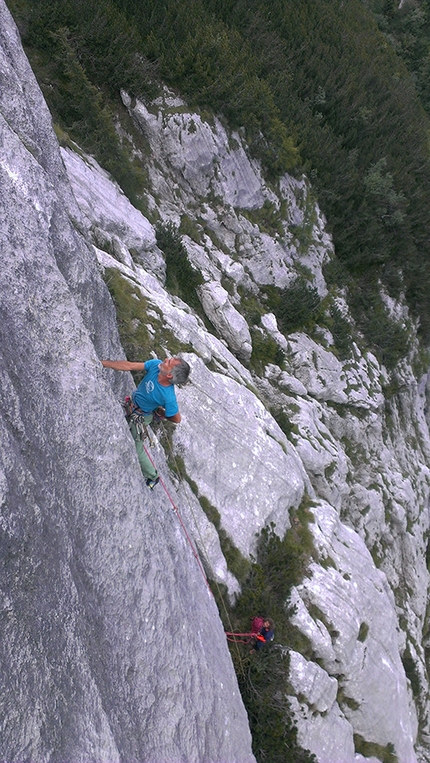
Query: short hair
180, 372
270, 621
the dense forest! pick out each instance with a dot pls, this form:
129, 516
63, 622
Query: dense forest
338, 89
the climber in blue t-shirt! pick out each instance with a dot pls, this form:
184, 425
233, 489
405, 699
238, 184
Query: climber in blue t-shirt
156, 391
152, 391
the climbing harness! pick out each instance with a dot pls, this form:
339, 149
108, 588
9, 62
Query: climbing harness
134, 415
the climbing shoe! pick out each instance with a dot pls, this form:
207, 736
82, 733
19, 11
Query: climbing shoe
152, 483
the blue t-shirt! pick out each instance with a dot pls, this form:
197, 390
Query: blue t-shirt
150, 393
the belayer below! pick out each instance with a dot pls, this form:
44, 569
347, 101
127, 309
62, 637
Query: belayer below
156, 390
265, 633
262, 632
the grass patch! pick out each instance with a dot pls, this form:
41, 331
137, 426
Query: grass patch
133, 320
290, 430
343, 700
131, 315
236, 562
265, 350
373, 750
267, 218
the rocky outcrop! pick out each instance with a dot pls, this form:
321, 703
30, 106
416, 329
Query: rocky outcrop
111, 641
230, 324
121, 577
348, 450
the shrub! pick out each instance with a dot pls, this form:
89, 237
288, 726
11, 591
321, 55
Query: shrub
388, 337
263, 680
373, 750
181, 278
298, 306
264, 350
412, 673
341, 332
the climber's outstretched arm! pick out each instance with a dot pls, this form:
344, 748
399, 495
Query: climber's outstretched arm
123, 365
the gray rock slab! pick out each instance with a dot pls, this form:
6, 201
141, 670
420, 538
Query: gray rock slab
111, 641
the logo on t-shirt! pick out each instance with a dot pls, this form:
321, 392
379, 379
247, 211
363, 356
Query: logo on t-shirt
149, 386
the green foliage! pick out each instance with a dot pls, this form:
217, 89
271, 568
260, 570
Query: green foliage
412, 673
363, 632
131, 316
341, 332
132, 319
264, 688
348, 94
315, 74
298, 307
251, 306
289, 429
82, 54
78, 102
389, 338
267, 217
189, 228
214, 66
181, 278
388, 204
373, 750
107, 44
264, 350
280, 564
263, 679
236, 562
343, 699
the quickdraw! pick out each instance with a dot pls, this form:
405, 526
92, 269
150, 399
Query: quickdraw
135, 416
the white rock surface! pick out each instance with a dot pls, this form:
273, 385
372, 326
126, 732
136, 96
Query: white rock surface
356, 442
97, 578
352, 604
226, 319
366, 469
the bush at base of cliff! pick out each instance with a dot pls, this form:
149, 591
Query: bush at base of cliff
280, 563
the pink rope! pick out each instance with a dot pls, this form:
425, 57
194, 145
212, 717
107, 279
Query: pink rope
175, 508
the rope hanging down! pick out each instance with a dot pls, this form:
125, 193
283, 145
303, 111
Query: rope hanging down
176, 510
230, 634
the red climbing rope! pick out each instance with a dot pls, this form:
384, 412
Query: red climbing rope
233, 637
175, 509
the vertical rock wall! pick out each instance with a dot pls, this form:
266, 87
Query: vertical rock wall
111, 642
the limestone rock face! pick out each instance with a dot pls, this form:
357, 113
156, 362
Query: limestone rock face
115, 224
359, 453
351, 620
99, 581
111, 641
229, 322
